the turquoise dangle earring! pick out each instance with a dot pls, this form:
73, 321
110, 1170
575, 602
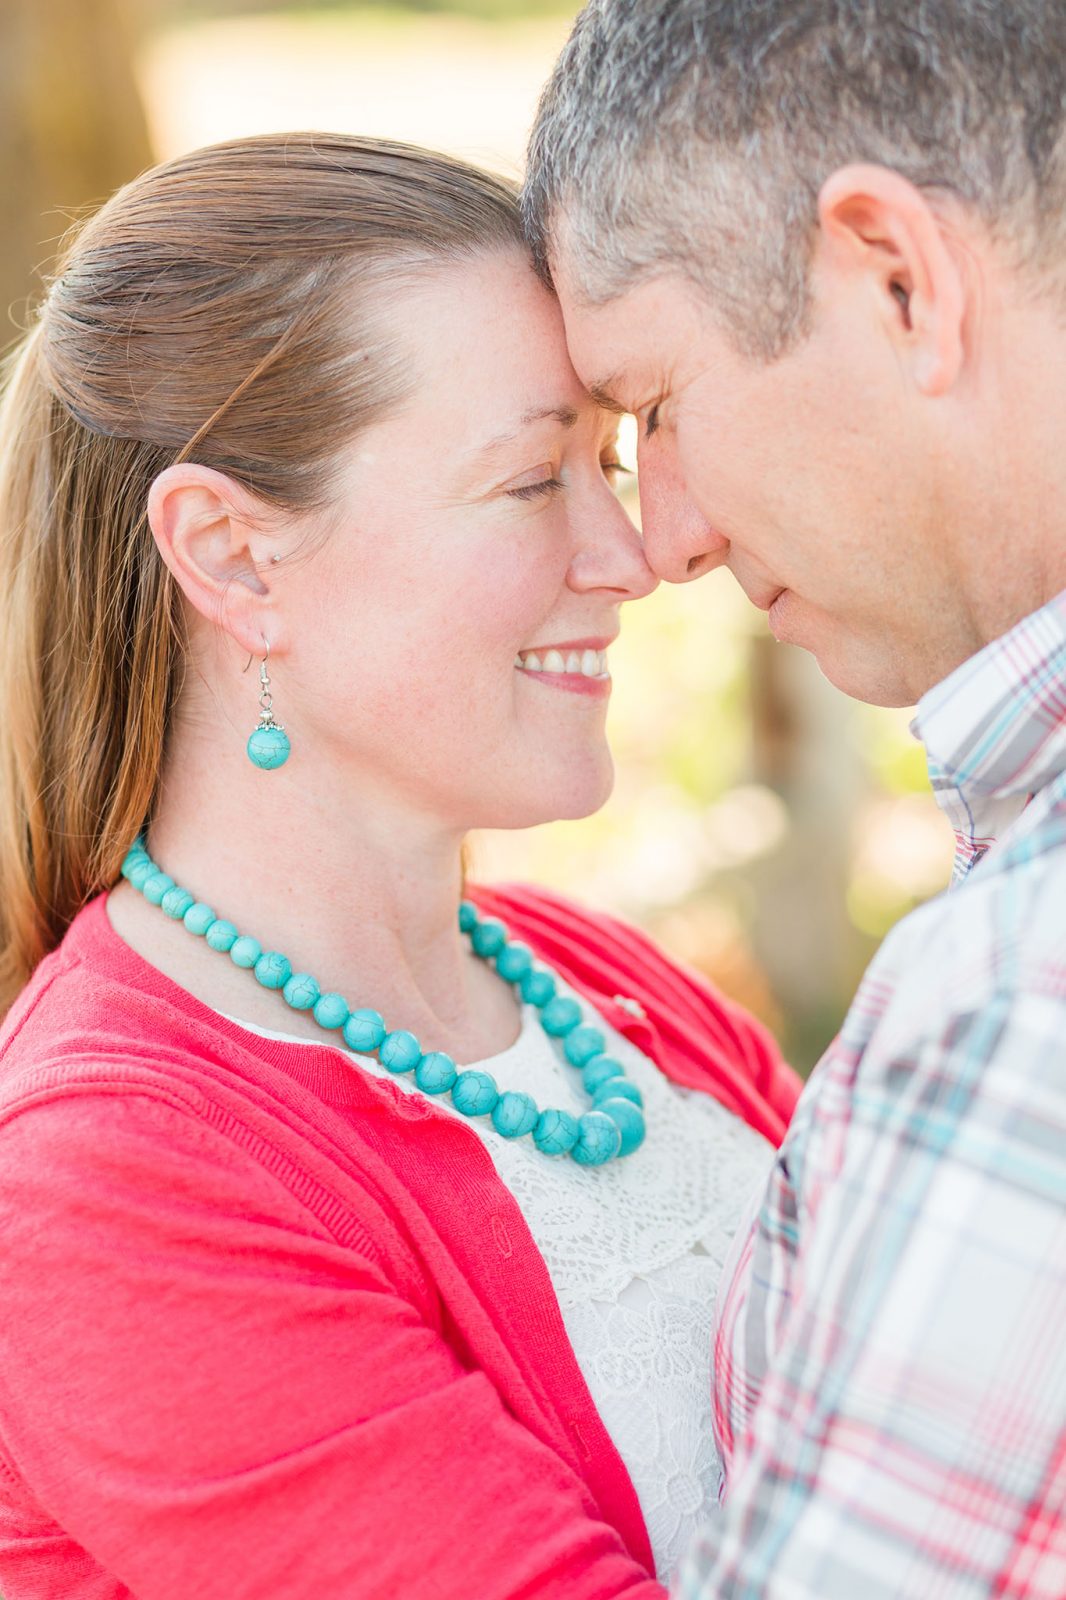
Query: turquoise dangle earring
268, 744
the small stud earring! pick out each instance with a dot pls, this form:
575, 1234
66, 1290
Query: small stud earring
268, 744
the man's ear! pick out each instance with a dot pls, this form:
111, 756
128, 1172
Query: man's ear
878, 225
211, 534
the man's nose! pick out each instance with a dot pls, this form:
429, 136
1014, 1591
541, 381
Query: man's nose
679, 542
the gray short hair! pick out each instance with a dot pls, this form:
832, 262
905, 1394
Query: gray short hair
696, 135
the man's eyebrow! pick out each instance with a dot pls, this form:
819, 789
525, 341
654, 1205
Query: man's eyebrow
564, 414
602, 394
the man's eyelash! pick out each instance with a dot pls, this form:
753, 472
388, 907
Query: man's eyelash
530, 491
652, 423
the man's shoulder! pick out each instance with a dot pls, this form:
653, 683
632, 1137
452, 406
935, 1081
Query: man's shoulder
972, 980
1003, 929
952, 1053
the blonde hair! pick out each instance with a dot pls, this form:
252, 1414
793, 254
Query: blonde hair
226, 307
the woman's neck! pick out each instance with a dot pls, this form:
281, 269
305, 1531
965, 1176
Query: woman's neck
360, 893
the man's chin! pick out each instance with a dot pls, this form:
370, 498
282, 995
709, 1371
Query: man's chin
857, 669
875, 683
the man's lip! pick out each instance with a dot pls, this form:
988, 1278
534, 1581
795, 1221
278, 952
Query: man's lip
568, 644
767, 600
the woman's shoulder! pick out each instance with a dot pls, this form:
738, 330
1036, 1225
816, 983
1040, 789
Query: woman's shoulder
697, 1035
603, 949
602, 938
547, 915
97, 1054
81, 1022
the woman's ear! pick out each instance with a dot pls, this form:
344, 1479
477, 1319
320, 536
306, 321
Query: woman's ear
211, 534
878, 225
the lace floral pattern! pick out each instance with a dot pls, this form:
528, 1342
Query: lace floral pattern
634, 1250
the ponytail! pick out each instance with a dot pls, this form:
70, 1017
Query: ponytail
85, 670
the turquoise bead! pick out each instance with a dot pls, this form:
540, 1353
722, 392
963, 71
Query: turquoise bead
399, 1051
556, 1132
514, 961
301, 991
474, 1093
559, 1016
615, 1125
331, 1010
582, 1044
617, 1089
176, 902
134, 856
364, 1030
198, 918
630, 1120
537, 987
140, 872
489, 937
515, 1114
268, 748
245, 951
436, 1072
273, 970
155, 887
599, 1070
599, 1138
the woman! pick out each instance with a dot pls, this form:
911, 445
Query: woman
293, 1305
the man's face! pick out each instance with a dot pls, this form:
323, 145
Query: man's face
818, 479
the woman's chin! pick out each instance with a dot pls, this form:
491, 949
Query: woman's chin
576, 795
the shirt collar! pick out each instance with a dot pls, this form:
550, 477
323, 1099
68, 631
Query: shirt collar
995, 730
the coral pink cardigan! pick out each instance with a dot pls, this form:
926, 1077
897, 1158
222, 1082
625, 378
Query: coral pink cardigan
272, 1328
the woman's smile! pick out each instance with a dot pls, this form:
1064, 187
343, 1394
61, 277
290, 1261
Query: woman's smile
578, 666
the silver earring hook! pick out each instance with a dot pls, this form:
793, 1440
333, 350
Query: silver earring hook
251, 653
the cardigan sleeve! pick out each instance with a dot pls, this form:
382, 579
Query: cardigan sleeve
214, 1397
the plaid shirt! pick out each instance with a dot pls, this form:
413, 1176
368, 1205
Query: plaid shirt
891, 1347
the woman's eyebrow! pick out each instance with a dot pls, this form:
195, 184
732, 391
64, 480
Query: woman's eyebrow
564, 414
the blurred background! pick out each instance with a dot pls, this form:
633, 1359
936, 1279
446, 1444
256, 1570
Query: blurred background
763, 827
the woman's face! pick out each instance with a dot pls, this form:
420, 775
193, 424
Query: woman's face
478, 547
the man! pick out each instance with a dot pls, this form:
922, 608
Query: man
818, 247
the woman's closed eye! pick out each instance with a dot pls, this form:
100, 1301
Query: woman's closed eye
549, 484
530, 491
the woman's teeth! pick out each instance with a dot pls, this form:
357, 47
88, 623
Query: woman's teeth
586, 663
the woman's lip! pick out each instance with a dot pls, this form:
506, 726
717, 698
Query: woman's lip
568, 644
573, 683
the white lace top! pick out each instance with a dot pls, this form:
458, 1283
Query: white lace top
634, 1250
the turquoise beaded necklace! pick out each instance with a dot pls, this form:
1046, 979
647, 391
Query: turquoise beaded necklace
613, 1127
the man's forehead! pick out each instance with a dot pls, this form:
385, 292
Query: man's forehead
611, 343
590, 331
599, 349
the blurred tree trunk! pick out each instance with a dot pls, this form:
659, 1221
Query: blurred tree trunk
72, 128
803, 748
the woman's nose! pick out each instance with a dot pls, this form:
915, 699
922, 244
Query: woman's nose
679, 542
610, 555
